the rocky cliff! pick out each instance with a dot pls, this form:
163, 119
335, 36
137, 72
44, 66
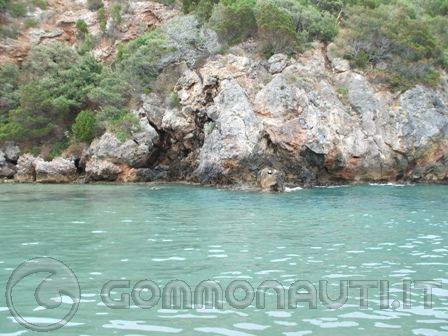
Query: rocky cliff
239, 119
310, 119
58, 22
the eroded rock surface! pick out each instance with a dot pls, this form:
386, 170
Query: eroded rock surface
25, 168
309, 120
59, 170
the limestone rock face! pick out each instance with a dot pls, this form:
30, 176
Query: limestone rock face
279, 98
316, 124
270, 180
340, 64
7, 170
102, 170
235, 134
25, 168
277, 63
134, 152
311, 122
59, 170
11, 151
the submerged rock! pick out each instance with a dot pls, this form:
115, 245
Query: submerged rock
270, 180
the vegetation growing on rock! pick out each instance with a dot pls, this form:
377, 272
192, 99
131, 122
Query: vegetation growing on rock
399, 43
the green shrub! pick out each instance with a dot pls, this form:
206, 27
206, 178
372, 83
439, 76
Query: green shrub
112, 90
3, 5
82, 28
30, 23
86, 45
118, 121
49, 58
102, 19
138, 62
83, 130
116, 14
204, 9
9, 32
233, 21
436, 7
9, 90
174, 100
275, 29
42, 4
57, 149
402, 49
56, 85
332, 6
95, 5
189, 5
316, 25
17, 9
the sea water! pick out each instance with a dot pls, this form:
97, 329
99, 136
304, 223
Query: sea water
166, 233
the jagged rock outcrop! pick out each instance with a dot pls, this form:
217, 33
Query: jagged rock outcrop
35, 169
25, 169
59, 170
316, 124
134, 152
6, 169
9, 154
310, 119
235, 134
11, 151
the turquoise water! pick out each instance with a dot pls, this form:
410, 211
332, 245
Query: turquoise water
168, 232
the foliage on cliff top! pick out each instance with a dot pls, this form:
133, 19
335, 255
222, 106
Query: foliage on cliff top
40, 103
401, 42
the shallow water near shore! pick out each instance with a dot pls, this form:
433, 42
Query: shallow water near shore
190, 233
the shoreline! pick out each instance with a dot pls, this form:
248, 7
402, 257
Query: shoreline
233, 187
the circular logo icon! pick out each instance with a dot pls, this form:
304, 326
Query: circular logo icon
60, 281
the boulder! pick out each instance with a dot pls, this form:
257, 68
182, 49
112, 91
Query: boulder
59, 170
11, 151
340, 64
102, 170
134, 152
7, 170
277, 63
25, 168
269, 179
